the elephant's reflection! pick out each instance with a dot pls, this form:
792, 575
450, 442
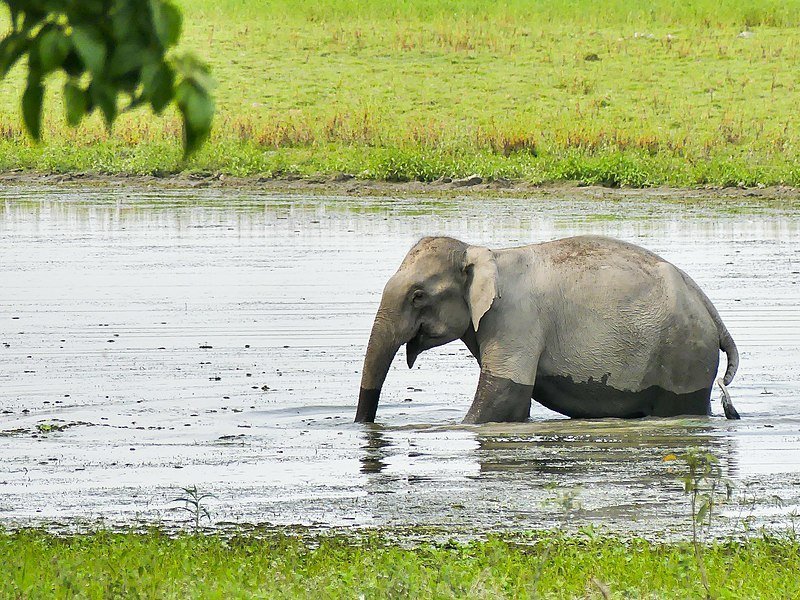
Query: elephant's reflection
374, 450
581, 452
571, 452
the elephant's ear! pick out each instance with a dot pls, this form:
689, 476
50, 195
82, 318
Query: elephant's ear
481, 270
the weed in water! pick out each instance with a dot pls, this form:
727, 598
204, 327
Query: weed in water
566, 500
193, 504
706, 487
50, 427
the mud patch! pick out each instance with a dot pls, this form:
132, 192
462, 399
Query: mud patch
567, 397
729, 199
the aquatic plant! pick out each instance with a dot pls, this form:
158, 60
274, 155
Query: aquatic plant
706, 487
47, 427
193, 504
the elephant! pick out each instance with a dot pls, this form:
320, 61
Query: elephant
588, 326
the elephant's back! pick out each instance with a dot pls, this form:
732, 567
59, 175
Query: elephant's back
593, 251
604, 275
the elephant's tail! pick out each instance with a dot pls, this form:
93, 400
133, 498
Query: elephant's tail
726, 343
728, 346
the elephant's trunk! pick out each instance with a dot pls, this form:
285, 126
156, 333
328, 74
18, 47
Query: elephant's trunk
383, 345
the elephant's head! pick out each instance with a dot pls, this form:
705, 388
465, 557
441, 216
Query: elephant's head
441, 290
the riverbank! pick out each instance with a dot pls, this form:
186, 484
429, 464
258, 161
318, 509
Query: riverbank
346, 185
37, 564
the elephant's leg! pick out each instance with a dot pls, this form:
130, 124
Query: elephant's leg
471, 342
499, 399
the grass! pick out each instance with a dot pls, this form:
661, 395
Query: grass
636, 94
35, 564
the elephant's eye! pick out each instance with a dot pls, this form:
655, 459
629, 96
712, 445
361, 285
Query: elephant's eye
417, 297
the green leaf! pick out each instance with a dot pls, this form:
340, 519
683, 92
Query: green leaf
90, 47
94, 8
125, 58
73, 65
197, 109
14, 10
158, 82
75, 102
123, 20
702, 512
12, 48
52, 47
120, 45
32, 106
167, 22
33, 16
191, 68
104, 96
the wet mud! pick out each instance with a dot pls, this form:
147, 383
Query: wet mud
156, 339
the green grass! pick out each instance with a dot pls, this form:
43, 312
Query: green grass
635, 94
34, 564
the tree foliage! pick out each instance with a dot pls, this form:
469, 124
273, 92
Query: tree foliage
115, 55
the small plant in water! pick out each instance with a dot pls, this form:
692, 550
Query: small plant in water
49, 427
706, 487
567, 501
193, 504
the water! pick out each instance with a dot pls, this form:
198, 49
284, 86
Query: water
154, 339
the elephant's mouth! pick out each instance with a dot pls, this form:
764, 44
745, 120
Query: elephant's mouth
419, 343
413, 348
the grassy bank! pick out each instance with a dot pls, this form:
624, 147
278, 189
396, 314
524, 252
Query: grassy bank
34, 564
695, 93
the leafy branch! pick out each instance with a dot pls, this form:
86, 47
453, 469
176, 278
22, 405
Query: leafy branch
107, 49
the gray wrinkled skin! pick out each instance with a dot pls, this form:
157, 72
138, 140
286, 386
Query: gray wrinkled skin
588, 326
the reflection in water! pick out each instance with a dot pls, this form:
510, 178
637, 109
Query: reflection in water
577, 452
506, 472
374, 453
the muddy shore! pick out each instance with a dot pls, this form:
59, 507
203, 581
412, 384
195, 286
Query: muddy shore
347, 185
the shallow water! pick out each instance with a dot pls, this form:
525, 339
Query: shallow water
215, 337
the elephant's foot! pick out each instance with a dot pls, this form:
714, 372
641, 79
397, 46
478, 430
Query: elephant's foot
367, 405
500, 400
595, 399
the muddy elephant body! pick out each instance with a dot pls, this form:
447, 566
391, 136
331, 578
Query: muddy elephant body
588, 326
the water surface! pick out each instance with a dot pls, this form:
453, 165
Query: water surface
157, 339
